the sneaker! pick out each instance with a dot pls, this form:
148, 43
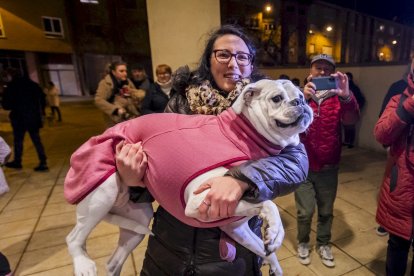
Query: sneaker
304, 253
41, 168
381, 231
13, 165
325, 252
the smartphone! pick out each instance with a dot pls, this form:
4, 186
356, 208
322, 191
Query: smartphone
325, 83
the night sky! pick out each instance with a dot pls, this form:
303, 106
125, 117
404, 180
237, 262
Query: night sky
401, 11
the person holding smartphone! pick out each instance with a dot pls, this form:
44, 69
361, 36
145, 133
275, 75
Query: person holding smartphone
395, 208
333, 104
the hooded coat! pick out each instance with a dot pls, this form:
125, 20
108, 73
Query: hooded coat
395, 127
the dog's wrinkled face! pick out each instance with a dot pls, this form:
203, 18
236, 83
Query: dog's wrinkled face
277, 109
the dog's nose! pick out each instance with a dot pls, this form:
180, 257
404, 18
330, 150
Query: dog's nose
294, 102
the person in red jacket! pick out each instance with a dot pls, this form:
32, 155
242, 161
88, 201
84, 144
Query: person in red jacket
322, 141
395, 211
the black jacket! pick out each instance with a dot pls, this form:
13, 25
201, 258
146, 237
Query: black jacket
26, 101
396, 88
178, 249
155, 100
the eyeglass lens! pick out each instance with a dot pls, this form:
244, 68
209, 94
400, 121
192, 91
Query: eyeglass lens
224, 56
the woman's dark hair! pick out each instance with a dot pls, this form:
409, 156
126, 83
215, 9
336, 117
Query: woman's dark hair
182, 77
203, 71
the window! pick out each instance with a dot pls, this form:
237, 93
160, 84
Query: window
327, 50
52, 26
90, 1
311, 48
2, 33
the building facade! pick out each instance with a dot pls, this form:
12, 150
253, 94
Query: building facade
72, 42
35, 39
292, 31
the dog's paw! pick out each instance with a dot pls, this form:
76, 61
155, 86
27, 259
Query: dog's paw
84, 266
273, 238
274, 232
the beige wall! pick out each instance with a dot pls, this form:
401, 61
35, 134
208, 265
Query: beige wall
178, 28
374, 82
23, 26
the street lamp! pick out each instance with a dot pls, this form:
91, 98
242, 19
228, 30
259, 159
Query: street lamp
394, 42
329, 28
268, 8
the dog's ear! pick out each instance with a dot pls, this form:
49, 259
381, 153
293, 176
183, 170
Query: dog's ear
245, 97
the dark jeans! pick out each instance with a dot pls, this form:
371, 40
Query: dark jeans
397, 256
319, 190
57, 110
18, 132
349, 134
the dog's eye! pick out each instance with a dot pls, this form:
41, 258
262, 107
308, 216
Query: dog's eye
277, 98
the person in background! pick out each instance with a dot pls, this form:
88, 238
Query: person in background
284, 77
117, 96
322, 141
296, 82
158, 95
396, 88
26, 102
395, 211
226, 66
350, 130
52, 93
140, 78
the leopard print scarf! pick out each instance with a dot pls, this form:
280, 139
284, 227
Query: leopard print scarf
204, 99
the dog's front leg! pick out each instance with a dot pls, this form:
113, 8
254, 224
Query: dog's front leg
129, 237
89, 212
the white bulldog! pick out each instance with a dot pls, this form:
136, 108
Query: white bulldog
266, 117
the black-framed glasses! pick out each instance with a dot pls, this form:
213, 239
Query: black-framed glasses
224, 57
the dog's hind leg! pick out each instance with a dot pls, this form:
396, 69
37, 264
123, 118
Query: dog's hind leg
139, 216
241, 233
89, 212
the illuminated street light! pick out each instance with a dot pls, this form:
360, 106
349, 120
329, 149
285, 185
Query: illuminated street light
268, 8
329, 28
310, 31
394, 42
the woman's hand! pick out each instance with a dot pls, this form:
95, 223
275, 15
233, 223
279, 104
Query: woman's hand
343, 85
131, 163
222, 199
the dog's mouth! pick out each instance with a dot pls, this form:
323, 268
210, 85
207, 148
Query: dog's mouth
295, 123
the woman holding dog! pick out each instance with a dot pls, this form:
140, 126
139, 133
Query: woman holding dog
226, 66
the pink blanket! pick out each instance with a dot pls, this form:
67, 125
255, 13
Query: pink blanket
179, 148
